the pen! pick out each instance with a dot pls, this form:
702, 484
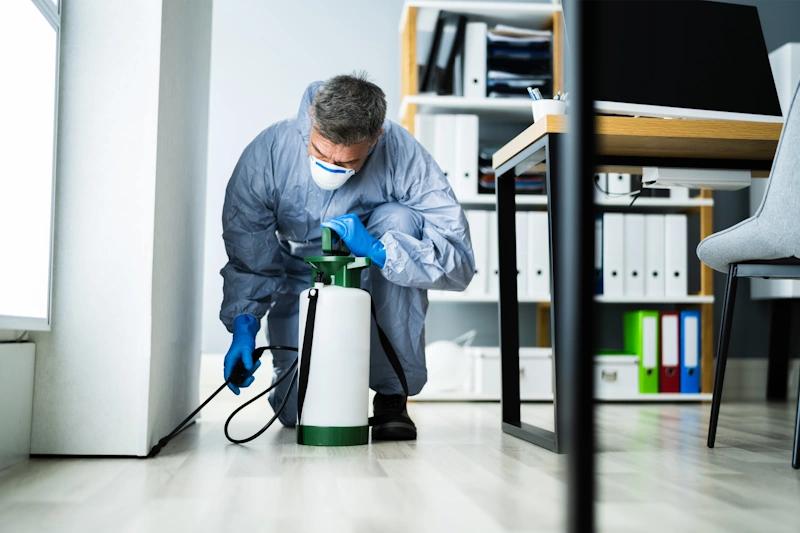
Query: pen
538, 94
564, 96
533, 94
558, 96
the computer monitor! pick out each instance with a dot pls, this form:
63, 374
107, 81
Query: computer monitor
681, 59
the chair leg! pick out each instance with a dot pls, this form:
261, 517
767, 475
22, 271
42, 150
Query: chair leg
795, 451
722, 350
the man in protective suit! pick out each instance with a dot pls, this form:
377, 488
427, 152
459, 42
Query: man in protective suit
340, 164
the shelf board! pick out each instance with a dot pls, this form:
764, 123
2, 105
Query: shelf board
498, 108
491, 200
688, 299
636, 398
691, 203
527, 15
661, 397
460, 297
667, 204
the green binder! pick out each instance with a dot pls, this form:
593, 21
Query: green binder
642, 339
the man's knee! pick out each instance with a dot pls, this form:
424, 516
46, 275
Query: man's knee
395, 216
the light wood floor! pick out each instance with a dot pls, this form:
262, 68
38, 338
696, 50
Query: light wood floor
462, 475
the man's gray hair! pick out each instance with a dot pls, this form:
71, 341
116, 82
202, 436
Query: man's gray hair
349, 109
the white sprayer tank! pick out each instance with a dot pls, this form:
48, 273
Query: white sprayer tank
336, 408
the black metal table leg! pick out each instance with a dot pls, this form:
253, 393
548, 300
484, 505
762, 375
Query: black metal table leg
796, 444
508, 303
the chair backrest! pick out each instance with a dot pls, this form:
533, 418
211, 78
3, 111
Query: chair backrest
781, 202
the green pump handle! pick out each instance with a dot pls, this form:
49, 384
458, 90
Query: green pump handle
332, 244
337, 266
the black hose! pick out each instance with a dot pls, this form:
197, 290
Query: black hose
237, 374
277, 411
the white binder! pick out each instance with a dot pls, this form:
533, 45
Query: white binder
522, 254
465, 178
654, 255
675, 282
479, 231
633, 284
538, 252
475, 60
445, 146
613, 247
619, 184
493, 277
425, 132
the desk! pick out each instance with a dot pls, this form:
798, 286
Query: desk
621, 142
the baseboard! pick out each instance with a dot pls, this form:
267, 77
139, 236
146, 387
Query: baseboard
746, 379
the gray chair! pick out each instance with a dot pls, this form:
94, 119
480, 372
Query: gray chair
766, 245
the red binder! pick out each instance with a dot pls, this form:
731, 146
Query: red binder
670, 374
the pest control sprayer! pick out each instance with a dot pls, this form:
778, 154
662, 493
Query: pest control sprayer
333, 389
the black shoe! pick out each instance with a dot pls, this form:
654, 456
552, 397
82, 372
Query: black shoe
391, 418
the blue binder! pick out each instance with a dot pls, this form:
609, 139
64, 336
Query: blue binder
690, 352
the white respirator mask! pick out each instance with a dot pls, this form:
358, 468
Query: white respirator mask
327, 175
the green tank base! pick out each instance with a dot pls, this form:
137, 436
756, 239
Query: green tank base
332, 436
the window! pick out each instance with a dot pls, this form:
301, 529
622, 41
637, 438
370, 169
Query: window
29, 35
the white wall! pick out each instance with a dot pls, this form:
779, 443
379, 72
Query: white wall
263, 54
130, 146
180, 203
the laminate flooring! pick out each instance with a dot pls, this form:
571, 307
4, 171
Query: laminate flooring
654, 474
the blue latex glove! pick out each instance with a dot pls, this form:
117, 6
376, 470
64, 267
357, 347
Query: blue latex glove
357, 238
245, 328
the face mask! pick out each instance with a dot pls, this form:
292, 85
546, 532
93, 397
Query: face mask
328, 176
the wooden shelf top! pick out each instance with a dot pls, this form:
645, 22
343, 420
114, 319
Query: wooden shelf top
535, 15
658, 137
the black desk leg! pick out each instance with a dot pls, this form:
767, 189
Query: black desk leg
554, 178
779, 333
508, 303
509, 313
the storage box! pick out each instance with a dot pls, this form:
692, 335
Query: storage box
535, 372
616, 376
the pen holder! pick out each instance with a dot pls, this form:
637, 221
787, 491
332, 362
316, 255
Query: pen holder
548, 107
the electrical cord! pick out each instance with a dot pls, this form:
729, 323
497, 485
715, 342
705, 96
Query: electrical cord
237, 377
635, 193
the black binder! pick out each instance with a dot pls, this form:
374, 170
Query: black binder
438, 73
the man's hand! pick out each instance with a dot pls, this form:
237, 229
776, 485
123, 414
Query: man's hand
245, 328
352, 231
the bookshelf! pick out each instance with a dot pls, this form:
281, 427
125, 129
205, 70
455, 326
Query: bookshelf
517, 113
538, 16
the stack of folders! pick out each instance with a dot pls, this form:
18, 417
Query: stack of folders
518, 58
668, 346
452, 140
533, 254
640, 255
